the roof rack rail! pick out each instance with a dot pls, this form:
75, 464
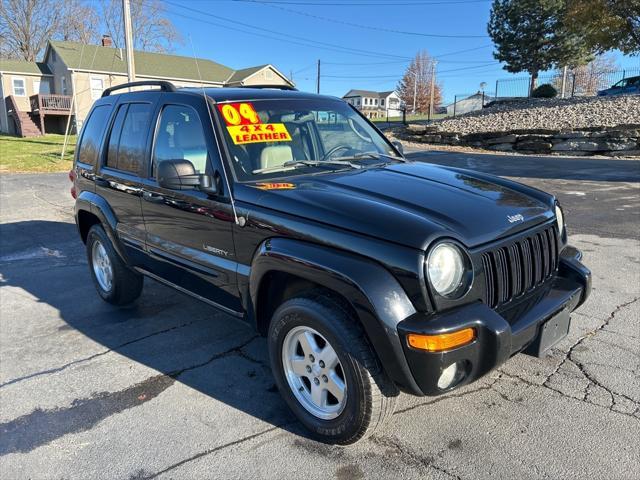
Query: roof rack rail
164, 86
277, 87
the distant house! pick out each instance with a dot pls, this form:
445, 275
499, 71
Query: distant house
469, 104
375, 104
37, 96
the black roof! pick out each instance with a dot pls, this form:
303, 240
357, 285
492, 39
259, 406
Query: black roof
234, 94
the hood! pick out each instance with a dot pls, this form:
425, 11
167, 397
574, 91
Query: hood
414, 203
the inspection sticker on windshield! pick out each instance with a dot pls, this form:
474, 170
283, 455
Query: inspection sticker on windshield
245, 125
257, 133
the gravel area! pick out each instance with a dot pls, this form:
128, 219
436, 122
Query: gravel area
551, 114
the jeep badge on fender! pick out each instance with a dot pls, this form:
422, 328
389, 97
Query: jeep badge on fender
368, 274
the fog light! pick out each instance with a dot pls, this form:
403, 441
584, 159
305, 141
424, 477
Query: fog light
450, 376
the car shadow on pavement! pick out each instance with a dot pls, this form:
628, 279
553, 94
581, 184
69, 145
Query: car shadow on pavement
183, 339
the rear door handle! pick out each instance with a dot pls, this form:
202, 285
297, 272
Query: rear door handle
101, 182
152, 197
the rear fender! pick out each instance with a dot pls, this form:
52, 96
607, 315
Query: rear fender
98, 206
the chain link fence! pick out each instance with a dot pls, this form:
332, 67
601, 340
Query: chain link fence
582, 83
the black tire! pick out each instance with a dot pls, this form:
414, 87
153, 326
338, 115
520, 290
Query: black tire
371, 395
126, 284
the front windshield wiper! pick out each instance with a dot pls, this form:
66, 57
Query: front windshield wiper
293, 164
377, 156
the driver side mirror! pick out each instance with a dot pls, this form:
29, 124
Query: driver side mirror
180, 174
398, 146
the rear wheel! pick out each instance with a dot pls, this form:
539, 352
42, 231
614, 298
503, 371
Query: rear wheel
115, 282
327, 371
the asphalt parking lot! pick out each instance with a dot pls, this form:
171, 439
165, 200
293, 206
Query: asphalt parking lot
174, 389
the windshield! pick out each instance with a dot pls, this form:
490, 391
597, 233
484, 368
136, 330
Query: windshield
275, 138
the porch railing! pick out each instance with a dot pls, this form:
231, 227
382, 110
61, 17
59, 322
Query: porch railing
50, 103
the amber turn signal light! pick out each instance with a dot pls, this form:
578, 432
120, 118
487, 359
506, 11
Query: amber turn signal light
443, 341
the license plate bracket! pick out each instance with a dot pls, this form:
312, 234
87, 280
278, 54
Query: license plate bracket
551, 332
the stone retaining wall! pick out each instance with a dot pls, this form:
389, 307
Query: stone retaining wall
622, 140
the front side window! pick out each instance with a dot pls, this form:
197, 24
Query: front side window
180, 137
89, 144
127, 140
266, 137
19, 87
97, 87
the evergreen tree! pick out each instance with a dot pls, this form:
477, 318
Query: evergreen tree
530, 36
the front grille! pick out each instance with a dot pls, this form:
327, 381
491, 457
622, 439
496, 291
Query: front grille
513, 270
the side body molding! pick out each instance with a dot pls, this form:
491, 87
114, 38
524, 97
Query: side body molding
95, 204
376, 296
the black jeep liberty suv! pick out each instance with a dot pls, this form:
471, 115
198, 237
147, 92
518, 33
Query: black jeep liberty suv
369, 274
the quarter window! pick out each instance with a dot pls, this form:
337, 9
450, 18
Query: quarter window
19, 87
180, 136
92, 135
128, 137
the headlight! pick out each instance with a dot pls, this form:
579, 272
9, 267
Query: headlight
445, 268
559, 219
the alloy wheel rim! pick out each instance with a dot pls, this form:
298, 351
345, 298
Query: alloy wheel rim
102, 266
314, 373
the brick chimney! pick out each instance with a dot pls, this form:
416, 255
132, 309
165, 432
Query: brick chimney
106, 41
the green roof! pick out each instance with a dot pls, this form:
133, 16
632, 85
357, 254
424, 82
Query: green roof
108, 59
34, 68
241, 74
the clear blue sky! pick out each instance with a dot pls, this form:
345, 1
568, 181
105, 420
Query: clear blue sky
292, 35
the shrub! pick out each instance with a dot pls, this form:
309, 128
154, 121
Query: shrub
545, 90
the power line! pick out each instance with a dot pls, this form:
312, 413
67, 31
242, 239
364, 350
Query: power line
359, 25
325, 44
284, 40
463, 51
369, 3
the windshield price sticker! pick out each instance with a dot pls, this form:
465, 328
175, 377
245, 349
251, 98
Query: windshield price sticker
244, 125
262, 132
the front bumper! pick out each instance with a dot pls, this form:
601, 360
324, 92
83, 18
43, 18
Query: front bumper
499, 334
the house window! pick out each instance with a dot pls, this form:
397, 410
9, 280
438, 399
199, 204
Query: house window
382, 102
19, 87
63, 85
97, 87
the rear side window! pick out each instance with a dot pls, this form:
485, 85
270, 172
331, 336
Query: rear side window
92, 135
127, 142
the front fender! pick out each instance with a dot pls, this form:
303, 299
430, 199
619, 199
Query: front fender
376, 296
98, 206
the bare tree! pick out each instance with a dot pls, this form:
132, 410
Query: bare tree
588, 79
417, 80
27, 25
152, 30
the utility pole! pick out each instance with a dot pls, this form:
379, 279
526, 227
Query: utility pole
128, 40
318, 78
415, 91
433, 88
564, 79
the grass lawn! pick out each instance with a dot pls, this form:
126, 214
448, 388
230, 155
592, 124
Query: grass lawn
35, 154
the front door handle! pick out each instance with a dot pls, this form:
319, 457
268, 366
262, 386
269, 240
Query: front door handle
152, 197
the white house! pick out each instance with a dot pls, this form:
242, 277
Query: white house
375, 104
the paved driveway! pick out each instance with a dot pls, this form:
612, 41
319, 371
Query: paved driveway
174, 389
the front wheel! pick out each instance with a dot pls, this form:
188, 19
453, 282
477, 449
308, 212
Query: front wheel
327, 371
